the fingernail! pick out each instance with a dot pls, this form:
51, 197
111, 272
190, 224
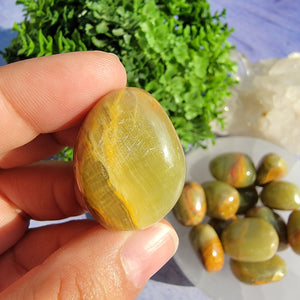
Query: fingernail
146, 251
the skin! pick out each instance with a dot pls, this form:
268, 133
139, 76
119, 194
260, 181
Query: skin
42, 104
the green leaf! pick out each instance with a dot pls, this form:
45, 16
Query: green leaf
102, 27
200, 65
118, 32
99, 44
181, 52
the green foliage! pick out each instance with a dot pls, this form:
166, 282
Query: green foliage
175, 49
65, 155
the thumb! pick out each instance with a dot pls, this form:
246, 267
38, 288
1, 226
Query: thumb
101, 264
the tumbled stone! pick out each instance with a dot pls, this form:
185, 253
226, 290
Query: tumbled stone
250, 239
222, 199
293, 230
282, 195
234, 168
248, 199
208, 247
128, 161
272, 167
274, 219
190, 208
256, 273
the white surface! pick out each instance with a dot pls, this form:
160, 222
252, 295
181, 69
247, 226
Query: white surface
34, 223
223, 285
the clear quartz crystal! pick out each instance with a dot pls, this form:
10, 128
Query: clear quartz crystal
266, 101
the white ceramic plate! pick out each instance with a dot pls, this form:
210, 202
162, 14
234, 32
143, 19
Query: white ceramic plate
223, 285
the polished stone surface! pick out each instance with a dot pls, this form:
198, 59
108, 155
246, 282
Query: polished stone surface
272, 167
255, 273
234, 168
283, 195
190, 208
208, 247
250, 239
128, 160
293, 230
222, 199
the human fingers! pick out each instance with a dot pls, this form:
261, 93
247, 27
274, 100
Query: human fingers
43, 146
36, 246
13, 224
41, 191
99, 264
51, 94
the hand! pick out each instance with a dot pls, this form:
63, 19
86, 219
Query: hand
42, 103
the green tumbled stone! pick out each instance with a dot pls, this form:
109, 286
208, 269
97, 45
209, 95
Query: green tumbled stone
250, 239
234, 168
256, 273
281, 195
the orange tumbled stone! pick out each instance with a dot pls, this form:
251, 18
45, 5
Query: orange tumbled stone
208, 247
128, 161
272, 167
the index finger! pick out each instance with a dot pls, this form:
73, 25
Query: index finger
51, 94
